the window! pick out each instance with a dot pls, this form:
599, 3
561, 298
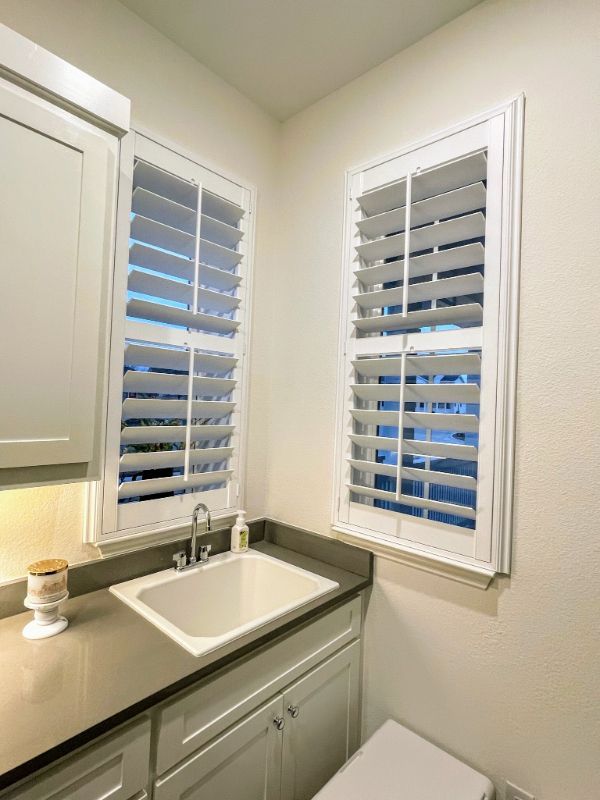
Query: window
176, 392
424, 458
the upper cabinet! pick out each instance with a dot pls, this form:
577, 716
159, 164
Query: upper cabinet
59, 165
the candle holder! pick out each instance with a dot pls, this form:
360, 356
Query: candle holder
46, 619
46, 590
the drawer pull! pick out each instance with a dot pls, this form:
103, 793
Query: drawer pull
279, 723
293, 711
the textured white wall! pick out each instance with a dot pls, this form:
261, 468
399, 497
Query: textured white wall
39, 522
178, 99
507, 679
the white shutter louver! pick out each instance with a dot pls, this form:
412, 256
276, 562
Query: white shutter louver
183, 343
419, 379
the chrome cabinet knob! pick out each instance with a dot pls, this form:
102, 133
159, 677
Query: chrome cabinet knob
279, 723
293, 711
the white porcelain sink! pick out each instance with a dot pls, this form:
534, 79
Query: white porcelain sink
206, 607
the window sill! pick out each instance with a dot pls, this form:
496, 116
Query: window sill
118, 545
127, 544
446, 567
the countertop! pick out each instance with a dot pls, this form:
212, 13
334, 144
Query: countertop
111, 664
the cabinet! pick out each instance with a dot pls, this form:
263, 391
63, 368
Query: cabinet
58, 179
242, 764
275, 725
116, 768
321, 731
191, 720
287, 750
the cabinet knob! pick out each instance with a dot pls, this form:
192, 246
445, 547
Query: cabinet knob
293, 711
279, 723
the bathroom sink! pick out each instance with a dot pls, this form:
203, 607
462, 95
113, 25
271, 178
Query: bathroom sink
234, 593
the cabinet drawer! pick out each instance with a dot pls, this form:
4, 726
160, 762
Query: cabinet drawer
202, 713
114, 769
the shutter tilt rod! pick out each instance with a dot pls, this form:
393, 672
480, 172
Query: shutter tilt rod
190, 395
406, 276
405, 280
400, 427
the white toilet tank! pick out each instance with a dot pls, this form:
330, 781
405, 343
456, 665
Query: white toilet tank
396, 764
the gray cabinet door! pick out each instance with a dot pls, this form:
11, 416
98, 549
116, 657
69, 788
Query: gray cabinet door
57, 188
116, 768
242, 764
321, 724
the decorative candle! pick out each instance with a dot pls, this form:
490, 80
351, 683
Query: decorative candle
47, 580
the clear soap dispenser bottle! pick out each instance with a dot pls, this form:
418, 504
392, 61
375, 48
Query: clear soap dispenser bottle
240, 534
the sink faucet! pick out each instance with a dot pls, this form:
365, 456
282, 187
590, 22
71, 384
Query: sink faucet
205, 550
181, 559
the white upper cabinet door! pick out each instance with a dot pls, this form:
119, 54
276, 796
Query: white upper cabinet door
321, 724
57, 200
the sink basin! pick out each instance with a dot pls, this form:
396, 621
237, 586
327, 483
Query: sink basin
234, 593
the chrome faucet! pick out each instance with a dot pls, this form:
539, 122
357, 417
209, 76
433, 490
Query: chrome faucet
181, 559
205, 549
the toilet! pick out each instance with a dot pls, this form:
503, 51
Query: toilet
396, 764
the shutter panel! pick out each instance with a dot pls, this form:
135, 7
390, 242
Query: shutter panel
416, 286
416, 375
415, 445
182, 389
182, 344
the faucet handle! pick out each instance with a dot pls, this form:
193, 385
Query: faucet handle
204, 552
180, 559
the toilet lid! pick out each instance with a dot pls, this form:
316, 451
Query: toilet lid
396, 764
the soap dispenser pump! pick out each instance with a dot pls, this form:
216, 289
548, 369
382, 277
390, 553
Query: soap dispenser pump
240, 534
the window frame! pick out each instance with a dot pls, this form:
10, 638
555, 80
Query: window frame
101, 497
439, 557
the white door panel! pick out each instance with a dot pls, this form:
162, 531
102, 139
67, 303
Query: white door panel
116, 768
57, 180
322, 724
242, 764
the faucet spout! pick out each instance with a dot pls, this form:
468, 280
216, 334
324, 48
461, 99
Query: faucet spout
200, 507
181, 559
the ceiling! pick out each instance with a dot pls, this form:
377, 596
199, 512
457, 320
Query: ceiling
286, 54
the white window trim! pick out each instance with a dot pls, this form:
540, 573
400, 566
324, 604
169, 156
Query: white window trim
463, 569
147, 535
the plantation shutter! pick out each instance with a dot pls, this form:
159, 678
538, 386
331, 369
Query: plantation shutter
183, 335
421, 336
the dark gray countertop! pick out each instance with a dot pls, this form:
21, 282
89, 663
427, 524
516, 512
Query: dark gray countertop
110, 664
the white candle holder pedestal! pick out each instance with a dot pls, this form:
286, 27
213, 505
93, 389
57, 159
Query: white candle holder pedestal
46, 619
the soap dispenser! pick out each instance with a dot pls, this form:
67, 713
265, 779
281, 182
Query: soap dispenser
240, 534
